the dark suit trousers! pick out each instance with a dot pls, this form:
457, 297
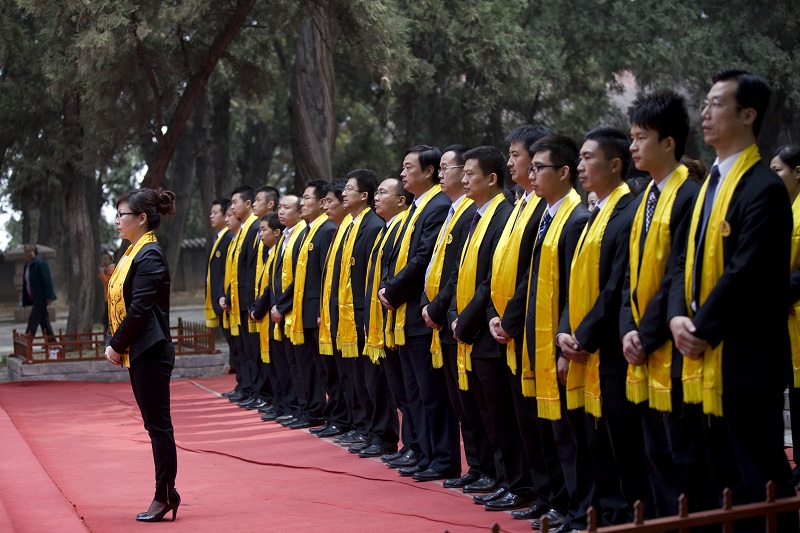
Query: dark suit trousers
674, 452
477, 449
226, 334
356, 413
744, 450
262, 387
336, 406
150, 375
540, 447
394, 377
307, 355
362, 394
39, 317
489, 383
570, 438
294, 372
248, 368
385, 424
287, 404
237, 354
434, 420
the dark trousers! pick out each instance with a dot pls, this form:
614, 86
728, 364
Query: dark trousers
238, 354
675, 457
262, 386
150, 373
356, 413
540, 447
744, 450
394, 377
248, 363
307, 355
478, 451
489, 383
434, 419
294, 372
385, 425
287, 404
570, 437
362, 394
40, 317
336, 406
226, 334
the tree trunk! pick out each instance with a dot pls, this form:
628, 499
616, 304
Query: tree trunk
166, 148
311, 105
221, 147
203, 166
81, 258
258, 145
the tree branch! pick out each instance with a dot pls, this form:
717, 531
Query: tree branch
151, 78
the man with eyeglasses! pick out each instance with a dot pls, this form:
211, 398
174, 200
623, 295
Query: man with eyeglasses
401, 293
728, 299
436, 300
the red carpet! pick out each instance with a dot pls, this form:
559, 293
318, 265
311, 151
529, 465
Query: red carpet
76, 458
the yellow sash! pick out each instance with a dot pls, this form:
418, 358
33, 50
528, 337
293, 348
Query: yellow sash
397, 337
346, 334
294, 318
287, 277
702, 379
236, 317
794, 311
263, 330
583, 379
435, 277
544, 382
467, 274
254, 326
654, 380
212, 321
230, 273
325, 340
504, 266
374, 346
116, 296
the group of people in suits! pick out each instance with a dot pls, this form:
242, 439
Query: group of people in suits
585, 359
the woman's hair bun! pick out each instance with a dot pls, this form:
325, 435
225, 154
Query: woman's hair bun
166, 202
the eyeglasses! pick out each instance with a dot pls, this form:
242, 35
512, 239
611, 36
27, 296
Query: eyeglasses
715, 105
121, 214
536, 168
349, 188
445, 168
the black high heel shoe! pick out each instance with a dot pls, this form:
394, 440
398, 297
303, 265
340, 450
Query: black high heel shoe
157, 516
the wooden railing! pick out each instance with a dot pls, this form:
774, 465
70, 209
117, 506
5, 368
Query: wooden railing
188, 337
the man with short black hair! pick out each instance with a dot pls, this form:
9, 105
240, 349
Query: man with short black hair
215, 274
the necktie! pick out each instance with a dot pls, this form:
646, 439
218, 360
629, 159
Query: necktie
523, 203
650, 209
546, 219
450, 214
474, 224
593, 216
708, 203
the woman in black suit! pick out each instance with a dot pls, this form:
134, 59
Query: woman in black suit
138, 335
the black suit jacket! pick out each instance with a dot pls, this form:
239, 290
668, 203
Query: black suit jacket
263, 303
747, 307
408, 285
146, 293
368, 231
317, 253
216, 271
521, 310
247, 267
599, 329
41, 283
384, 268
473, 326
654, 326
438, 308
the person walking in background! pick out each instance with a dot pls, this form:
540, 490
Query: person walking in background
37, 292
104, 271
138, 336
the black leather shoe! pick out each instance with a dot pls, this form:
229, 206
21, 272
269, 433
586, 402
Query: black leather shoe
408, 471
289, 422
269, 417
258, 404
554, 520
483, 485
300, 424
247, 402
237, 397
337, 439
410, 458
463, 481
355, 448
483, 499
509, 501
228, 394
331, 431
389, 457
372, 450
355, 438
428, 475
267, 409
536, 511
284, 418
319, 429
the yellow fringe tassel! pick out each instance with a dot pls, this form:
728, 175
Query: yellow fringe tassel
636, 391
265, 356
661, 400
712, 402
575, 398
350, 351
549, 408
593, 405
693, 390
511, 360
528, 384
